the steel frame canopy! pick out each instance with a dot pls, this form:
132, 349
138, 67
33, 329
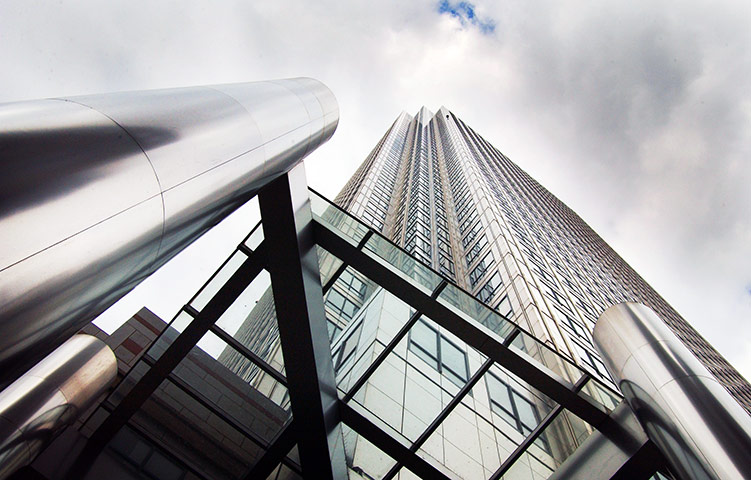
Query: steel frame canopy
291, 232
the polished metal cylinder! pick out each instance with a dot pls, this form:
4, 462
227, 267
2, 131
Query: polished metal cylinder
700, 429
50, 396
99, 191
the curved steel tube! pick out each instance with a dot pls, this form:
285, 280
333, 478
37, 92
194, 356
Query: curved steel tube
50, 396
700, 429
97, 192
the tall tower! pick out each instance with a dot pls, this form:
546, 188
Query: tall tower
435, 187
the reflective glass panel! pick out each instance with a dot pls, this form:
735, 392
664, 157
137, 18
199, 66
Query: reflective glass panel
336, 219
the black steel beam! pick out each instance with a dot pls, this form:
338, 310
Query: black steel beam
171, 357
245, 352
275, 454
390, 347
235, 344
303, 332
444, 414
343, 266
522, 447
534, 434
363, 378
475, 336
388, 443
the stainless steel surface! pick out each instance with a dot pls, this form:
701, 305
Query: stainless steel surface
700, 429
50, 396
99, 191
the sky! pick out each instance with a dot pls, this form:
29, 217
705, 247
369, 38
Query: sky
635, 114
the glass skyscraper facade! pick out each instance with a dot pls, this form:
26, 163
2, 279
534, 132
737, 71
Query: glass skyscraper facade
437, 188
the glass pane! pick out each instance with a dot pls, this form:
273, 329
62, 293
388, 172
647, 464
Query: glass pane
346, 297
191, 429
547, 357
469, 308
255, 238
376, 325
229, 390
327, 264
403, 262
130, 445
429, 359
515, 406
335, 299
526, 411
170, 333
454, 359
336, 219
425, 337
347, 348
457, 444
251, 320
499, 394
161, 467
218, 280
140, 454
235, 318
365, 459
408, 391
559, 440
127, 383
602, 394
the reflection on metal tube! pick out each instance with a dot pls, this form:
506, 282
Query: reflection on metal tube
97, 192
50, 396
702, 431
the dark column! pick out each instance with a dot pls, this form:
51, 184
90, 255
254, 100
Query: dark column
296, 284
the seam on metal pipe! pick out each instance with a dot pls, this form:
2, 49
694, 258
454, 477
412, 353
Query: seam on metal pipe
151, 164
310, 119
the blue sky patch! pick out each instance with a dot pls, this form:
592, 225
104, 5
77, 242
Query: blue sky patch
465, 13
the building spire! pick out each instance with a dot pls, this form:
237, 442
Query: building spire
424, 116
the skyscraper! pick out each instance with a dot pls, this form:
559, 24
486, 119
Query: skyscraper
437, 188
483, 226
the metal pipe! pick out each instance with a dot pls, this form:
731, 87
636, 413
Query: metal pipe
50, 396
97, 192
700, 429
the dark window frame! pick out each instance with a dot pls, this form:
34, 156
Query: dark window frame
437, 362
513, 397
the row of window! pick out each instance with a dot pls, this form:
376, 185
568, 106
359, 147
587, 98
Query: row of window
346, 297
559, 303
576, 236
492, 284
476, 249
583, 302
471, 234
482, 267
488, 290
380, 197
